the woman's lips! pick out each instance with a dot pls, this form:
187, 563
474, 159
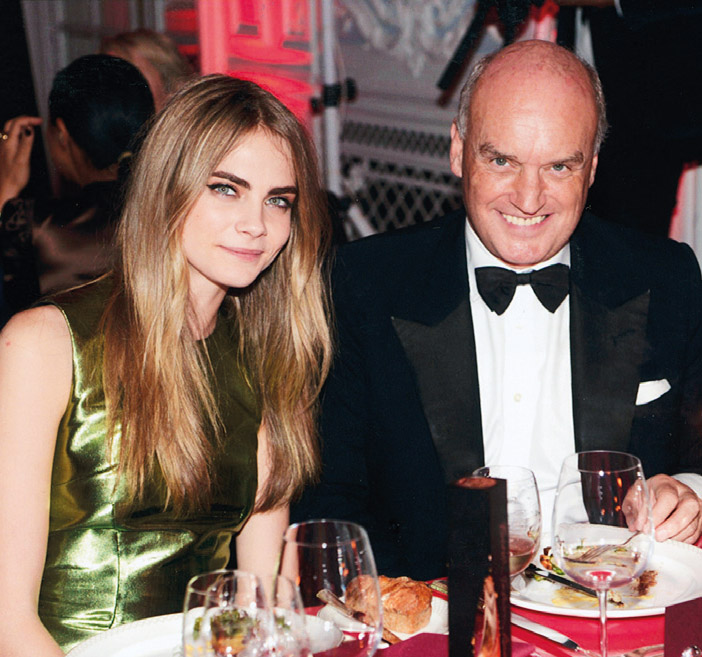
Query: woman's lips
244, 254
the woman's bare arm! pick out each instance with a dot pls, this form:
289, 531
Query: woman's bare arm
35, 383
258, 543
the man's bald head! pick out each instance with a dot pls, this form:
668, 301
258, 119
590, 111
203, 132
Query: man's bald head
522, 65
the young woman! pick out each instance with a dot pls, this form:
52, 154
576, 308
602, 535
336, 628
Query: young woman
150, 416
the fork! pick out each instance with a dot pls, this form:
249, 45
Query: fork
646, 651
594, 553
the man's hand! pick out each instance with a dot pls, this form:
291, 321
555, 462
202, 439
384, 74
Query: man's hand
677, 510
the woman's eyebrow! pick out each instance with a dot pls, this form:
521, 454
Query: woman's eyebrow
291, 189
232, 178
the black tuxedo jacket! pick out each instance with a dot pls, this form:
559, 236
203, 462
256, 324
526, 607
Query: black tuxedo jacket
401, 410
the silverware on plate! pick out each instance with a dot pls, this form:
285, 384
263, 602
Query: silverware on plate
533, 570
594, 553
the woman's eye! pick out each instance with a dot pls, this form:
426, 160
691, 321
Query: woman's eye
222, 188
280, 202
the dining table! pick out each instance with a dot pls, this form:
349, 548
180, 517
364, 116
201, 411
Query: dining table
626, 634
156, 637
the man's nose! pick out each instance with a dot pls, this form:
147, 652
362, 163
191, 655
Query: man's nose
528, 192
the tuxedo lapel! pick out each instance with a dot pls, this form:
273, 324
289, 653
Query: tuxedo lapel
433, 322
608, 345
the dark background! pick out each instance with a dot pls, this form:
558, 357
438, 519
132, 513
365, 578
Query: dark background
17, 88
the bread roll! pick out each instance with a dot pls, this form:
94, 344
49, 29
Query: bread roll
406, 603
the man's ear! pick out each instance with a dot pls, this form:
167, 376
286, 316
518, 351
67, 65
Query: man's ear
593, 168
456, 151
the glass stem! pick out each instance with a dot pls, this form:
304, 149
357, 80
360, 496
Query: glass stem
602, 599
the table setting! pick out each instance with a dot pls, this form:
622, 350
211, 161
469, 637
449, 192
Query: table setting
571, 593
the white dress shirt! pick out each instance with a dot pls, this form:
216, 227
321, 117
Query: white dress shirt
524, 378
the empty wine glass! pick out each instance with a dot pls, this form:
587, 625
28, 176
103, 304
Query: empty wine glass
336, 556
602, 525
523, 512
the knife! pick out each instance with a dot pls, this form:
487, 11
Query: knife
533, 570
547, 632
330, 598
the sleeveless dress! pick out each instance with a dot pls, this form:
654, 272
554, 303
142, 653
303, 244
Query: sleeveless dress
104, 568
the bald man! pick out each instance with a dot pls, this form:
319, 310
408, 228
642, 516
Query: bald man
448, 360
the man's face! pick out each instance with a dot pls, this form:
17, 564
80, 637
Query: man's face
527, 162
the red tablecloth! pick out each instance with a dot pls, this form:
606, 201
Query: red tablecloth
624, 633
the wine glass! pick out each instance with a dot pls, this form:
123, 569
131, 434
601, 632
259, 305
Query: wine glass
237, 617
234, 617
602, 524
194, 640
336, 557
289, 634
523, 512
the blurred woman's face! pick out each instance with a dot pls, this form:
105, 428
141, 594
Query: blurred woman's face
241, 220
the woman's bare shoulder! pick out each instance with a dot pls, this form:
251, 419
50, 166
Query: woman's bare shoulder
42, 330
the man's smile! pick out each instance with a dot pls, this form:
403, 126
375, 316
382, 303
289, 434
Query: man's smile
524, 221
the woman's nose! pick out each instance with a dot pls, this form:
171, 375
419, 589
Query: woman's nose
252, 221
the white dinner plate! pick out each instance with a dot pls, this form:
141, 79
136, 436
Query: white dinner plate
679, 567
161, 637
438, 623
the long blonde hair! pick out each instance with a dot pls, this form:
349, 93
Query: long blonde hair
156, 378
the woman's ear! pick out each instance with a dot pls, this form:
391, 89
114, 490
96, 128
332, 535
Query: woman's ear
61, 132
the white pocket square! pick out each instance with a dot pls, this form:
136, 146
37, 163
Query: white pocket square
650, 390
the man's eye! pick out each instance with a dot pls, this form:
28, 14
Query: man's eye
560, 167
500, 161
222, 188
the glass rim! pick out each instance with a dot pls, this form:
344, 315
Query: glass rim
357, 533
222, 573
634, 465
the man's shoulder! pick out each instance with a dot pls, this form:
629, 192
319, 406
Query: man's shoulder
614, 241
611, 254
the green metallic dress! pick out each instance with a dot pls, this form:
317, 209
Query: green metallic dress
105, 567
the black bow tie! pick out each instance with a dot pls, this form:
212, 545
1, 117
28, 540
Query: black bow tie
497, 285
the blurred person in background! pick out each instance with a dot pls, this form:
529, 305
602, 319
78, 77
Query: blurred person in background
156, 56
647, 55
97, 105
